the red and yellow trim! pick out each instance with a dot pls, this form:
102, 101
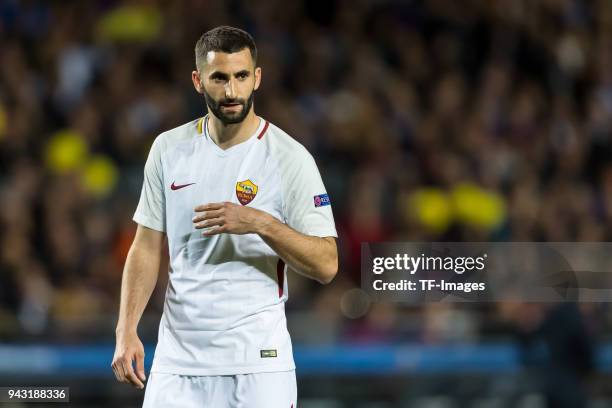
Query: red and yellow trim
263, 131
200, 125
280, 276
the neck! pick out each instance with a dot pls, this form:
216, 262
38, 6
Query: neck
226, 136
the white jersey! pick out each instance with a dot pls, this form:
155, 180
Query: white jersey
224, 312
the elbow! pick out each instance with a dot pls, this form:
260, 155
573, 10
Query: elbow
328, 272
329, 268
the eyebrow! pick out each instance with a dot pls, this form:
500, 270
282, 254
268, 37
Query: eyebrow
224, 76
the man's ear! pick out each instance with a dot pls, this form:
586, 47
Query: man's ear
197, 84
257, 78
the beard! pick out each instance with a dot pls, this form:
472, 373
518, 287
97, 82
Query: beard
228, 118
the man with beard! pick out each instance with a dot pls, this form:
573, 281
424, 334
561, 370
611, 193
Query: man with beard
239, 201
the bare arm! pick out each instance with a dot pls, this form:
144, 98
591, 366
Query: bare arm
313, 257
139, 278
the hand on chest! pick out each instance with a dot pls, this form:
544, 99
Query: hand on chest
194, 177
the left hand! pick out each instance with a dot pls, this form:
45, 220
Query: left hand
228, 218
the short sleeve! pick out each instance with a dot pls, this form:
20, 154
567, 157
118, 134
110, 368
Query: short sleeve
307, 205
151, 210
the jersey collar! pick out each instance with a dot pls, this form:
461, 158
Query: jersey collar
257, 135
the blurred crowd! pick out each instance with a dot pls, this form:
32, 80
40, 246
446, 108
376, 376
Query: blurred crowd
430, 120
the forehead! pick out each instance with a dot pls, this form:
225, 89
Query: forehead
233, 62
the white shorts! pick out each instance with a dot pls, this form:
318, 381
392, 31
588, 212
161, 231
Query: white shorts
260, 390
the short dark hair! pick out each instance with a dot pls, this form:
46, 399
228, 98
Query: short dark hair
224, 39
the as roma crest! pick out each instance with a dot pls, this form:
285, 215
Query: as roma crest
245, 191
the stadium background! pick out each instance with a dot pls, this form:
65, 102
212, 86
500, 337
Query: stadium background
430, 120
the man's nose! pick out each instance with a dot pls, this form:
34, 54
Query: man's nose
230, 89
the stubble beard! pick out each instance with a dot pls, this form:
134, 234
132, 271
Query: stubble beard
214, 107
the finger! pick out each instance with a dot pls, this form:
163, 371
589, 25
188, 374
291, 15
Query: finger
118, 370
133, 379
130, 376
209, 206
140, 367
123, 371
210, 223
214, 231
116, 373
207, 215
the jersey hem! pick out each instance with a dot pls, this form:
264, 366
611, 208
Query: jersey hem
315, 232
148, 222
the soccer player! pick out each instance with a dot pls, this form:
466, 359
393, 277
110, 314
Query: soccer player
240, 202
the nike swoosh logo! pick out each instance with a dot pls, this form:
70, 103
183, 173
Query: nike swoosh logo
178, 187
